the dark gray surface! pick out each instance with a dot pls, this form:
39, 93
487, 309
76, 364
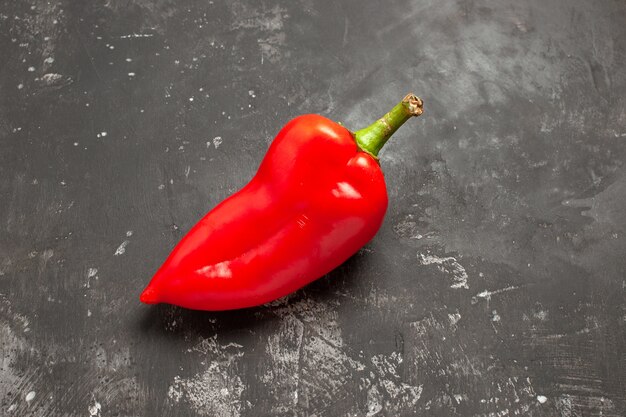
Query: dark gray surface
495, 287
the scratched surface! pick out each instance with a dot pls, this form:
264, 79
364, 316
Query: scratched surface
496, 286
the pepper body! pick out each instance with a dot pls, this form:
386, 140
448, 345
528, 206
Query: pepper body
314, 202
318, 196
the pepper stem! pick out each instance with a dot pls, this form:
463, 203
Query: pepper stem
373, 138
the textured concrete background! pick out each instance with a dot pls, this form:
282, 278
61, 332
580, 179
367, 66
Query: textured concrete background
496, 286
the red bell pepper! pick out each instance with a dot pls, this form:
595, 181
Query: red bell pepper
317, 198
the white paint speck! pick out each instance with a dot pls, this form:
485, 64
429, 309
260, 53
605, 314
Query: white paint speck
190, 98
103, 134
49, 60
251, 93
20, 86
94, 409
495, 316
30, 396
217, 141
448, 265
31, 69
222, 399
131, 74
88, 313
129, 233
374, 401
137, 35
129, 60
51, 78
454, 318
121, 248
91, 273
542, 399
487, 294
161, 186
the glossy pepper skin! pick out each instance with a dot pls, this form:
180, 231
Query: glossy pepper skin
318, 196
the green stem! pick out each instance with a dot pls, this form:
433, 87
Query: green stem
373, 138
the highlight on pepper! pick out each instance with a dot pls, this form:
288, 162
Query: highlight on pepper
318, 196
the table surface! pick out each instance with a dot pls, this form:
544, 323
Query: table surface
496, 285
